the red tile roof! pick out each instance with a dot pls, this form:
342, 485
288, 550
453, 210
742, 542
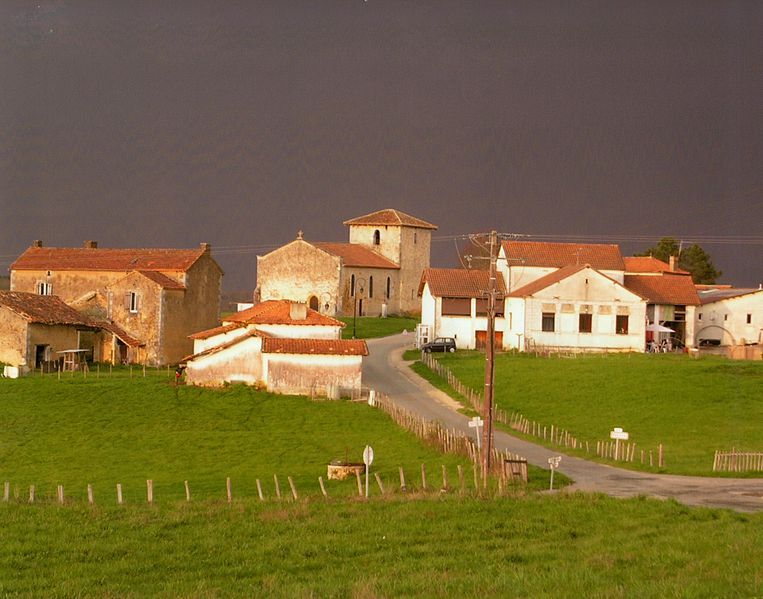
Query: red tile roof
279, 312
458, 282
42, 309
666, 289
226, 328
648, 264
390, 216
322, 347
558, 255
353, 254
109, 259
162, 280
120, 333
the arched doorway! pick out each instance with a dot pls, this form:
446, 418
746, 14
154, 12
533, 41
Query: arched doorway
313, 303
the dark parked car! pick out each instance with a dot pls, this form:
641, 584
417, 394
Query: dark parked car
440, 344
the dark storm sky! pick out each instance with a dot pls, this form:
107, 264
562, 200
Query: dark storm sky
165, 124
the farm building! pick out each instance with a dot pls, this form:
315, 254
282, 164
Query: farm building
730, 316
151, 299
282, 346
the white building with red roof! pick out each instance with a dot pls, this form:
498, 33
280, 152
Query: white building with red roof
730, 316
376, 272
279, 345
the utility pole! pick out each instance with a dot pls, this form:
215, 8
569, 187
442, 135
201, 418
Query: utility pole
487, 407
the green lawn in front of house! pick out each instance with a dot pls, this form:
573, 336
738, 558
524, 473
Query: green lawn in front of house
368, 327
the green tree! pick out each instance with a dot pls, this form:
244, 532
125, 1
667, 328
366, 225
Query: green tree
692, 259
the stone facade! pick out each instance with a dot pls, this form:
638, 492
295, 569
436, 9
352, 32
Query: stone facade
157, 297
378, 271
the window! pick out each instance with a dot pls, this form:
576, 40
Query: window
482, 305
389, 287
132, 301
352, 286
377, 237
585, 323
725, 317
456, 306
370, 286
621, 324
547, 322
414, 238
700, 316
749, 319
44, 288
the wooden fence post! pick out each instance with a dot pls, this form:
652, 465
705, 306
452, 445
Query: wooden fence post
6, 491
323, 488
259, 490
293, 489
60, 493
119, 493
461, 479
187, 491
90, 499
228, 489
379, 482
403, 488
423, 478
31, 493
278, 487
661, 462
444, 478
150, 490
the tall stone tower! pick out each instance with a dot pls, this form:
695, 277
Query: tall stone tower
401, 238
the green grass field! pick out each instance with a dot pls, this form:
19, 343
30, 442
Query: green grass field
552, 546
692, 406
369, 327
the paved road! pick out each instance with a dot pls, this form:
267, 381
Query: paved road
385, 371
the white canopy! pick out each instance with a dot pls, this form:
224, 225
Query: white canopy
658, 328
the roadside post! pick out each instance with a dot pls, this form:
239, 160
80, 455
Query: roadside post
618, 435
476, 423
368, 459
553, 463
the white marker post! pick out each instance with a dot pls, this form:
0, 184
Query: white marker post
553, 463
476, 422
618, 435
368, 459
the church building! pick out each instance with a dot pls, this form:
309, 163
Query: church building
377, 272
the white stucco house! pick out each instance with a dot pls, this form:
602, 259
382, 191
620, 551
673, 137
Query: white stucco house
730, 316
281, 346
453, 304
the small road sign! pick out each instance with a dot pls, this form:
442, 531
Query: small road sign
618, 434
368, 459
553, 463
476, 423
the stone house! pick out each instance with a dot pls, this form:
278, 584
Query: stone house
35, 328
148, 300
282, 346
377, 272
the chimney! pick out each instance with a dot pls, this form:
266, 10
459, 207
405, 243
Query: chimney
672, 263
91, 245
37, 243
205, 247
297, 311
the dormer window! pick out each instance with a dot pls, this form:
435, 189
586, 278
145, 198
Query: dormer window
377, 237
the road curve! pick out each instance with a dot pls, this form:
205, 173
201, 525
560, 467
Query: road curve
385, 371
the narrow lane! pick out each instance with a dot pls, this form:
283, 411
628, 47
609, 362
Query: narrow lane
385, 371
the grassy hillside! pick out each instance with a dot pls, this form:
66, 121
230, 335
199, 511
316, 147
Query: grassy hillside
553, 546
692, 406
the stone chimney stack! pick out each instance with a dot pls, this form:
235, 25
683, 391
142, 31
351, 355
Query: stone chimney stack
297, 311
672, 263
206, 248
91, 245
37, 243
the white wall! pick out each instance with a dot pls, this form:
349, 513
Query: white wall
726, 320
239, 363
301, 331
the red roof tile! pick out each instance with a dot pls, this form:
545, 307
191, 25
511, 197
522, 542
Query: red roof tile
558, 255
42, 309
162, 280
666, 289
120, 333
113, 259
458, 282
322, 347
226, 328
279, 312
353, 254
390, 216
648, 264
